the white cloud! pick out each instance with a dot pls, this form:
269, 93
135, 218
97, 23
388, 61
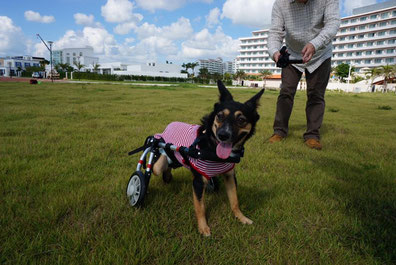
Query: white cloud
348, 6
253, 13
12, 40
160, 4
213, 18
181, 29
207, 45
86, 20
169, 5
119, 11
36, 17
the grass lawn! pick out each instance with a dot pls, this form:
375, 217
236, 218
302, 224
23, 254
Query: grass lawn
64, 169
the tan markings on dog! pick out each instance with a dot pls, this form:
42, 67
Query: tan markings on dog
160, 166
217, 123
247, 127
199, 208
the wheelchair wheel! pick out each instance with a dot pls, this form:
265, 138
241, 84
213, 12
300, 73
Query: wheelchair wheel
136, 189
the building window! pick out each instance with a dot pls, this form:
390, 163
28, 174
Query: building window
341, 47
382, 33
393, 22
378, 52
342, 38
371, 35
389, 60
18, 64
368, 52
349, 54
389, 51
367, 61
380, 42
385, 15
373, 16
353, 20
378, 60
363, 18
391, 41
392, 32
359, 45
345, 22
350, 45
351, 37
357, 61
394, 13
361, 36
343, 30
352, 29
27, 65
371, 26
358, 53
383, 24
362, 27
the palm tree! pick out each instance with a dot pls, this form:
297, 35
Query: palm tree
240, 74
203, 73
96, 67
264, 75
78, 65
386, 71
192, 66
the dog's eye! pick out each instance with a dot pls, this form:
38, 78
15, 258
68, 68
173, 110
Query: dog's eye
241, 121
220, 116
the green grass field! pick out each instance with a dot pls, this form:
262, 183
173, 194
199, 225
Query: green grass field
64, 169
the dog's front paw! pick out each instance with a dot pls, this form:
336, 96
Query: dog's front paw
205, 230
245, 220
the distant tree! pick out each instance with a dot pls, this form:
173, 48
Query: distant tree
43, 63
96, 67
387, 72
239, 75
227, 76
264, 75
203, 73
192, 66
63, 66
78, 65
342, 71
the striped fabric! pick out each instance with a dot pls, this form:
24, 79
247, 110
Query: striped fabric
183, 134
316, 21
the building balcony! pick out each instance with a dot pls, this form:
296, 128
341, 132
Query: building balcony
364, 48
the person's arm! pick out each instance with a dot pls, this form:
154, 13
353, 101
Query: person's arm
331, 22
276, 32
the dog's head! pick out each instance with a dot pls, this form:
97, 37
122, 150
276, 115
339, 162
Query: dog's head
231, 123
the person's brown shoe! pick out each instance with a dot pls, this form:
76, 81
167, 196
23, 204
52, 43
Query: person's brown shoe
275, 138
314, 144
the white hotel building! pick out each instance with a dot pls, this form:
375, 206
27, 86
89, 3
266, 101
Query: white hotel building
368, 37
365, 39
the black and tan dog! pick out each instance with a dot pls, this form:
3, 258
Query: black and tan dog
223, 132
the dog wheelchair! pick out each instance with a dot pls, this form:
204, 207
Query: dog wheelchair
139, 181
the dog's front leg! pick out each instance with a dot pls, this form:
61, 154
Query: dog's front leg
230, 185
199, 184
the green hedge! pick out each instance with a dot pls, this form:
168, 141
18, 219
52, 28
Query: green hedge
107, 77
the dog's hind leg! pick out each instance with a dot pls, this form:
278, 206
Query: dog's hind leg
230, 185
160, 166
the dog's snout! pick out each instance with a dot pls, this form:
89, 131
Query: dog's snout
223, 135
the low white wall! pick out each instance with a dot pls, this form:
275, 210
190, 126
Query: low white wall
151, 74
353, 88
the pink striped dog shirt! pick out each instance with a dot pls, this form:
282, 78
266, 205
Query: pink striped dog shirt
183, 134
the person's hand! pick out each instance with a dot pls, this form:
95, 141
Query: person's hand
307, 52
276, 56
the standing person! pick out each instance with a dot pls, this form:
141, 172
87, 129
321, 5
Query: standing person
308, 27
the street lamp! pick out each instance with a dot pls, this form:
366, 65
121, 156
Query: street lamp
50, 50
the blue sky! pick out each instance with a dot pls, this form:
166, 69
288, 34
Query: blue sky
137, 30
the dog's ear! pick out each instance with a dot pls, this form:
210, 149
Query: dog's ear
225, 95
254, 102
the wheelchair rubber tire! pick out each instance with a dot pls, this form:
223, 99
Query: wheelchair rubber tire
136, 189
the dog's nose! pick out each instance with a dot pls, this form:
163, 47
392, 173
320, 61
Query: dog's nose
223, 135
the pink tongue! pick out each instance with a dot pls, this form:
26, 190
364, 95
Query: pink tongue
223, 150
